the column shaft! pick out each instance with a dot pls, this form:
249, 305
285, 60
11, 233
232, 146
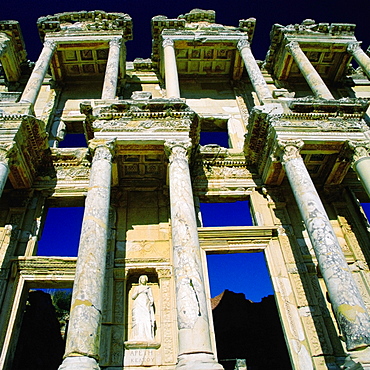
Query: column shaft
310, 74
36, 79
4, 172
254, 73
345, 296
111, 72
170, 69
195, 351
83, 335
360, 56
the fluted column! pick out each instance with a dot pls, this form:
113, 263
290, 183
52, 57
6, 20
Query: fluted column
36, 79
195, 351
310, 74
82, 347
111, 72
360, 57
361, 162
170, 69
254, 73
345, 297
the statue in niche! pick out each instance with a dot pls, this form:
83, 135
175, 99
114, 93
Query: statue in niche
142, 311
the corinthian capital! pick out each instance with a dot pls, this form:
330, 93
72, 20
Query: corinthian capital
7, 150
51, 44
115, 41
360, 149
167, 42
290, 148
352, 47
292, 46
102, 149
243, 43
177, 149
4, 45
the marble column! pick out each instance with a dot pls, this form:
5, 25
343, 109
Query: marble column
170, 69
254, 73
111, 71
195, 351
6, 151
83, 337
360, 57
361, 162
345, 297
308, 71
36, 79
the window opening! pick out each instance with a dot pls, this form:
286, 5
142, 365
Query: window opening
73, 141
366, 208
220, 138
61, 232
226, 214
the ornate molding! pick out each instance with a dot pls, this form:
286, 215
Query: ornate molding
290, 148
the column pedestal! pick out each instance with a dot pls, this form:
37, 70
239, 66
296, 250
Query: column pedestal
32, 89
345, 297
254, 73
310, 74
111, 72
82, 347
195, 350
170, 69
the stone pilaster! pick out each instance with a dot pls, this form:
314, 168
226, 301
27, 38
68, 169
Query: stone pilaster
254, 73
83, 336
361, 162
195, 351
360, 57
345, 297
308, 71
170, 69
111, 72
36, 79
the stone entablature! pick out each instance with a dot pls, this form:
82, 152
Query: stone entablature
152, 117
85, 22
324, 44
201, 45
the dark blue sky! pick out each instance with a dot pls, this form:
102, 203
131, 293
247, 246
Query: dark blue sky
266, 12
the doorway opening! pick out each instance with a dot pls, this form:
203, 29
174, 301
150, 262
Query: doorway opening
244, 311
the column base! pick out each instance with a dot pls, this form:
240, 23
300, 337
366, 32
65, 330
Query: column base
198, 361
79, 363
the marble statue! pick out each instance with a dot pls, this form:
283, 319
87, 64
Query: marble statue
143, 311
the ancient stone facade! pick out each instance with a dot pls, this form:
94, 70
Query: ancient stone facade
298, 134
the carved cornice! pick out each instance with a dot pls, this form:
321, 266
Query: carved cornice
290, 149
90, 21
